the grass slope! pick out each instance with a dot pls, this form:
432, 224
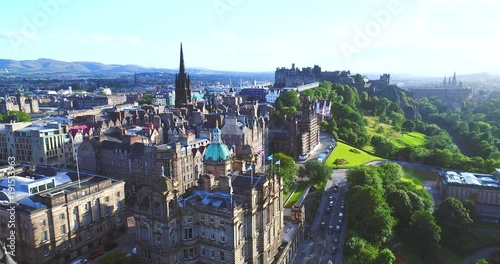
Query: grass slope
296, 195
343, 151
400, 140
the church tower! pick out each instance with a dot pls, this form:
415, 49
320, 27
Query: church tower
182, 85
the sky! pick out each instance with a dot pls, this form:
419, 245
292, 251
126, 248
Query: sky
418, 37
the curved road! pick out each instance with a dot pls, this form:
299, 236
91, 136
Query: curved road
483, 253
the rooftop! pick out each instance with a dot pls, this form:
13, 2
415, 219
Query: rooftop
467, 178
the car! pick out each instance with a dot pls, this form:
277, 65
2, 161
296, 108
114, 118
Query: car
335, 240
328, 209
330, 262
340, 222
335, 188
322, 225
337, 228
342, 208
79, 261
96, 254
341, 216
331, 204
334, 250
331, 198
134, 252
330, 229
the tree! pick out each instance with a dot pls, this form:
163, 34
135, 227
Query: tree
287, 169
118, 258
369, 214
290, 98
401, 207
18, 116
359, 251
364, 175
390, 172
385, 256
454, 220
425, 234
409, 125
481, 261
318, 171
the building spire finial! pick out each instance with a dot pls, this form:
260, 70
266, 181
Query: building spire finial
182, 69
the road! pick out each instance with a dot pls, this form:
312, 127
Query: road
318, 248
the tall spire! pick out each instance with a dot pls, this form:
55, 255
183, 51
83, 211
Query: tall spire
182, 69
182, 85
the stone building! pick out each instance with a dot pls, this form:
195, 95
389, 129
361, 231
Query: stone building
298, 134
59, 214
227, 217
19, 103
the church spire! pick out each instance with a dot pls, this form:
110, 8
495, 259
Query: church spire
182, 84
182, 69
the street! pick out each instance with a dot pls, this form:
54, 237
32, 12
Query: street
318, 248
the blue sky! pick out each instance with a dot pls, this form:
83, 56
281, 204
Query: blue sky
422, 37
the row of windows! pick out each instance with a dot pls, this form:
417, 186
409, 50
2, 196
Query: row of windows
222, 222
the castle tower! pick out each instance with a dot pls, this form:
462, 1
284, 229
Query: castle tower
182, 85
444, 82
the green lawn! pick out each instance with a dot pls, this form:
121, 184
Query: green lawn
417, 177
296, 195
343, 151
410, 139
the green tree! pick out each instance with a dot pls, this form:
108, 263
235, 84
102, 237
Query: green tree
409, 125
424, 234
21, 116
289, 99
359, 251
401, 207
369, 214
481, 261
454, 220
385, 256
316, 171
118, 257
390, 172
364, 175
287, 169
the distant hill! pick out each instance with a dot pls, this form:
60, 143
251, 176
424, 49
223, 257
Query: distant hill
482, 77
49, 66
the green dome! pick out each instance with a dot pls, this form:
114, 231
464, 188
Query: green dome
217, 150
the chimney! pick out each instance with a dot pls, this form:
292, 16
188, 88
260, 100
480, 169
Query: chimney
225, 184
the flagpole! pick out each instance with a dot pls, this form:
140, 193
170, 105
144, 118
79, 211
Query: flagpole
251, 174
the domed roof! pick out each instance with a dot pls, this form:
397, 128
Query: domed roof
217, 150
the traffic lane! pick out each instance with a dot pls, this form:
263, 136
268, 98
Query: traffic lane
343, 228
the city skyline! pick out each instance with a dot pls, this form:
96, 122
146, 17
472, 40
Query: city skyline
423, 37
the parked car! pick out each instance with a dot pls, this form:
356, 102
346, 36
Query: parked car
328, 209
331, 197
337, 229
340, 222
322, 225
330, 204
330, 229
79, 261
334, 250
96, 254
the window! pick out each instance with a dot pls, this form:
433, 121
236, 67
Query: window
119, 205
190, 220
106, 199
43, 222
188, 234
202, 217
63, 229
212, 253
75, 224
190, 253
107, 210
75, 210
212, 234
117, 194
89, 234
202, 231
145, 234
86, 219
62, 216
222, 256
222, 222
65, 244
46, 252
44, 236
86, 207
222, 237
211, 219
203, 253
